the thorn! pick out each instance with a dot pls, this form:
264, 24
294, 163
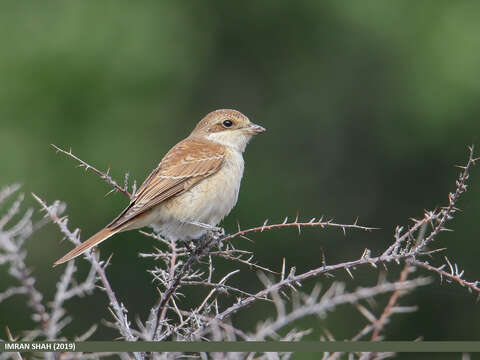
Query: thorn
349, 273
108, 261
324, 262
36, 197
246, 238
57, 149
9, 334
111, 191
264, 224
134, 188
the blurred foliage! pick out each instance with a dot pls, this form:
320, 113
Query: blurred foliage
368, 106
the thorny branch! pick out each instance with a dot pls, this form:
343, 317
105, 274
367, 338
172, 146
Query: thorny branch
213, 239
51, 318
332, 298
380, 323
119, 311
453, 275
103, 175
403, 248
180, 265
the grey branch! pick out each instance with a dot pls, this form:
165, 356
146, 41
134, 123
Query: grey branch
103, 175
194, 264
119, 311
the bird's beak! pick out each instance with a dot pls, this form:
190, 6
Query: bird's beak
254, 129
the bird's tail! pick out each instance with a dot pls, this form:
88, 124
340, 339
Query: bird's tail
86, 245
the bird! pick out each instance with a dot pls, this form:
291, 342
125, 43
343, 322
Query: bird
195, 185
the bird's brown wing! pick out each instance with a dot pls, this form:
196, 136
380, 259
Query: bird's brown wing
184, 166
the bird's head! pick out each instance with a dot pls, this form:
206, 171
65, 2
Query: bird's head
227, 127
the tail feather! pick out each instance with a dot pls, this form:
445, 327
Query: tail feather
86, 245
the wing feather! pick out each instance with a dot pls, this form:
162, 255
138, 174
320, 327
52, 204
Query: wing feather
184, 166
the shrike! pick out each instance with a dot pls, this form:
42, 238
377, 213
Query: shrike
195, 185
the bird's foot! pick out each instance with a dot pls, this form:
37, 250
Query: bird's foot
189, 245
216, 235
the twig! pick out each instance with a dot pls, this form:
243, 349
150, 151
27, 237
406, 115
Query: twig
334, 297
119, 309
378, 325
454, 275
296, 224
103, 175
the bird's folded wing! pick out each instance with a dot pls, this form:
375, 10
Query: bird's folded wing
184, 166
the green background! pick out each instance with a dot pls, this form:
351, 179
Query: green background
368, 105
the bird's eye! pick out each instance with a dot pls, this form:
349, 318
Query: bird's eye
227, 123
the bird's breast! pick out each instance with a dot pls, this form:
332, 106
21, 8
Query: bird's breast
208, 202
214, 197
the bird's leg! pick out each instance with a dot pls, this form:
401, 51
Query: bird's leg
214, 233
217, 232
